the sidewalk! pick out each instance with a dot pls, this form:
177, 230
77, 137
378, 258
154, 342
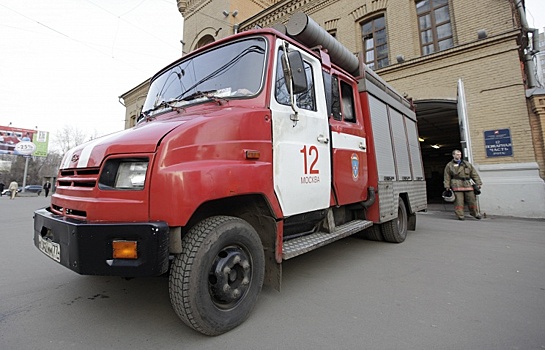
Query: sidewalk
441, 207
28, 194
446, 210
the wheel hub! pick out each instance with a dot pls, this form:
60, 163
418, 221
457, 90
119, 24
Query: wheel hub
229, 277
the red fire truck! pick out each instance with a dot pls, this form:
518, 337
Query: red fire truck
249, 151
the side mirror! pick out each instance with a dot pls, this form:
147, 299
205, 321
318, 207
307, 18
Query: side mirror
294, 65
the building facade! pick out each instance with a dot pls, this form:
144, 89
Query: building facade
462, 62
540, 60
133, 100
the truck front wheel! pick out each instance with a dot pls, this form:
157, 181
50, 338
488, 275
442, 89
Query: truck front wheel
214, 283
395, 231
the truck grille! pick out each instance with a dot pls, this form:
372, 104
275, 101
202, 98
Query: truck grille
72, 180
78, 177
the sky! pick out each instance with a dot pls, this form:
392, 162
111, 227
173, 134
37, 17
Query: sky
65, 62
535, 14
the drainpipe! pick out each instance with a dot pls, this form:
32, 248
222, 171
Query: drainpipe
529, 54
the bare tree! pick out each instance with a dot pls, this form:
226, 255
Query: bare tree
39, 168
69, 137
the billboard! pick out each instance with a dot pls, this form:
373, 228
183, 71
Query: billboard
24, 142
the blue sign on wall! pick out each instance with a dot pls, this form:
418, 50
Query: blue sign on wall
498, 143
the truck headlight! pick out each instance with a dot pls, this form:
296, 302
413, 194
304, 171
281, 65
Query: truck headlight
124, 174
131, 175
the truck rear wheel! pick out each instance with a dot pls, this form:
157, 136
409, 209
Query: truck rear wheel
372, 233
395, 231
214, 283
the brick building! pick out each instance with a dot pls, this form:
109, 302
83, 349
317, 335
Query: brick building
463, 62
540, 60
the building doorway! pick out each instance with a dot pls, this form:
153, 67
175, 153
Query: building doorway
439, 133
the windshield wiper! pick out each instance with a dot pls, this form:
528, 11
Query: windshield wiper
171, 104
146, 114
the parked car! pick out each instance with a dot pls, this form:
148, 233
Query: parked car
7, 192
31, 189
28, 189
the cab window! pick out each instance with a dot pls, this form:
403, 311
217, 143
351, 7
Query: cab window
305, 99
335, 99
347, 102
342, 100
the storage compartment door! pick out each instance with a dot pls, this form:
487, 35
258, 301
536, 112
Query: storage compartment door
383, 144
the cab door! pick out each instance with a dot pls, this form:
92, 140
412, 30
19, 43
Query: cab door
301, 145
349, 145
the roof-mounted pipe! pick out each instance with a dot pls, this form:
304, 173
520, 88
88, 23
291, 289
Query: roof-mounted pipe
303, 29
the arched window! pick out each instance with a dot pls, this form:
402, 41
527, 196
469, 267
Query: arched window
205, 40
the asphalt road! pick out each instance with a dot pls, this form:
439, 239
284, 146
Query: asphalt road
451, 285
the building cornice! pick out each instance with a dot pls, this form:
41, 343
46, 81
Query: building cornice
368, 7
189, 8
281, 11
136, 88
456, 51
264, 3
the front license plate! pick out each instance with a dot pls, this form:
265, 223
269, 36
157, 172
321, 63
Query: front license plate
49, 248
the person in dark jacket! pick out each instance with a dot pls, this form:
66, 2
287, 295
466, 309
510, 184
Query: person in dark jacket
458, 177
47, 187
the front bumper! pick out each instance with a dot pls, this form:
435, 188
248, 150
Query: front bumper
87, 248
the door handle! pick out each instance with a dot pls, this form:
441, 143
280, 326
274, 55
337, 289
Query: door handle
323, 139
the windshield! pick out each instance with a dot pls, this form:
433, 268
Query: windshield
233, 70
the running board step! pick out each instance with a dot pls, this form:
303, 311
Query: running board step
304, 244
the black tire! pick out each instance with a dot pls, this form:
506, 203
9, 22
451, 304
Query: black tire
214, 283
395, 231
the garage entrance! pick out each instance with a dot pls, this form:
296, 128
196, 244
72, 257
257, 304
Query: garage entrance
439, 135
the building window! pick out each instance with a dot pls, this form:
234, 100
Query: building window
205, 40
434, 25
375, 43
